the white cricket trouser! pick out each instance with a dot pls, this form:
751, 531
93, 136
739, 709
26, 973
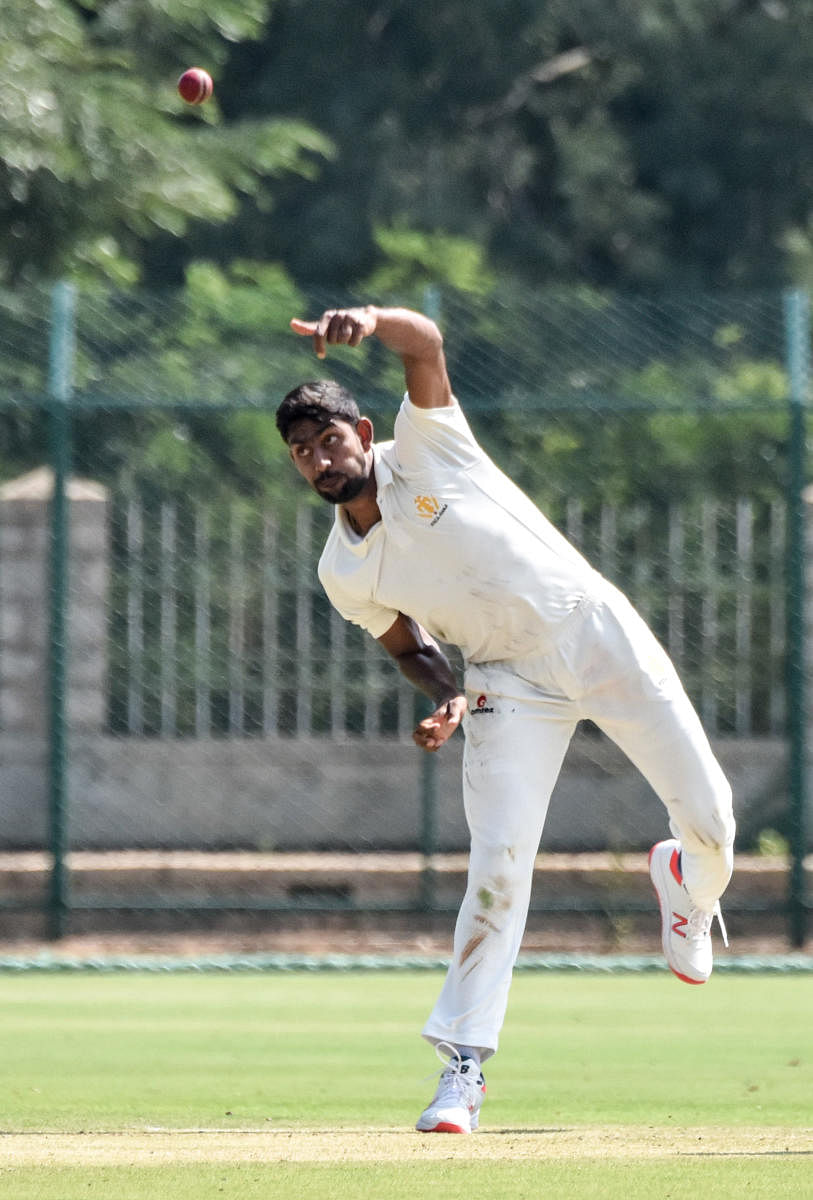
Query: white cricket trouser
607, 667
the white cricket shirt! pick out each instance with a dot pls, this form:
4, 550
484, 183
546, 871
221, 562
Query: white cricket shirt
459, 548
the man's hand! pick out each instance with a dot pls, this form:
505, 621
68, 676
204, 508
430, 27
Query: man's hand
337, 327
423, 663
413, 337
439, 726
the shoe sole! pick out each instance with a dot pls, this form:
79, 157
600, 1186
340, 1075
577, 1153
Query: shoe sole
451, 1127
665, 928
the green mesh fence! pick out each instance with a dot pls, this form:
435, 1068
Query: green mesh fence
189, 690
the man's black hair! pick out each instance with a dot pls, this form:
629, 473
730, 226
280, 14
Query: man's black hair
322, 400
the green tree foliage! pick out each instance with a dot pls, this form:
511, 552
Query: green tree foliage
639, 143
624, 398
373, 151
632, 144
191, 376
98, 155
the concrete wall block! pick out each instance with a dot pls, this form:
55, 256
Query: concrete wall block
24, 579
22, 540
88, 527
281, 794
22, 711
25, 544
24, 811
85, 707
20, 668
23, 624
30, 751
88, 669
87, 627
24, 508
89, 580
28, 534
24, 512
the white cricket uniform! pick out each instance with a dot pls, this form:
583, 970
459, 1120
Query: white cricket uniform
547, 642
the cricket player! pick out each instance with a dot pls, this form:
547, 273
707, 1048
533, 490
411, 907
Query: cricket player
431, 543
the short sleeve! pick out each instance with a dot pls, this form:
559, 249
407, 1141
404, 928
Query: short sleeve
362, 611
425, 437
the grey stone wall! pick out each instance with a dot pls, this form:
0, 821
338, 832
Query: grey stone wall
281, 794
25, 604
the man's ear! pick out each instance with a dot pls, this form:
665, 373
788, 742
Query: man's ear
364, 428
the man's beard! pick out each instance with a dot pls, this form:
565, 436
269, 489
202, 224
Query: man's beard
351, 488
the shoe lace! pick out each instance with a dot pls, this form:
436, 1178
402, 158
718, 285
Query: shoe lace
455, 1083
698, 923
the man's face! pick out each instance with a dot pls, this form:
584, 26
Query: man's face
332, 457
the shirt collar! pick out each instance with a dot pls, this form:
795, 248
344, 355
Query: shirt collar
383, 478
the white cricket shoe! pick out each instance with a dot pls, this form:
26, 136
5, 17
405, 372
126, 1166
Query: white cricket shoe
455, 1107
685, 929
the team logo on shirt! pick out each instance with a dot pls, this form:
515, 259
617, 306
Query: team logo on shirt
430, 508
481, 705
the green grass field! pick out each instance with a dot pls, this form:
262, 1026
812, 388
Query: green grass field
307, 1085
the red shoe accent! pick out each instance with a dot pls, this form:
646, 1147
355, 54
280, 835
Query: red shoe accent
679, 924
444, 1127
685, 978
674, 866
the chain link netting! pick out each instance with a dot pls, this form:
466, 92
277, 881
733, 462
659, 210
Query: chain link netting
214, 700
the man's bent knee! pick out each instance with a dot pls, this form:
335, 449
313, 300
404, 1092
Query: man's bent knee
499, 877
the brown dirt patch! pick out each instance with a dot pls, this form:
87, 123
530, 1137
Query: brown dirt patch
156, 1147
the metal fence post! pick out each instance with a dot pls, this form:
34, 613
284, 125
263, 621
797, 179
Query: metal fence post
797, 343
429, 763
60, 377
429, 799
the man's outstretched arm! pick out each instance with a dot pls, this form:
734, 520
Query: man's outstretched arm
421, 661
413, 337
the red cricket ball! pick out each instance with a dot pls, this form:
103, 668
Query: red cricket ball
195, 85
